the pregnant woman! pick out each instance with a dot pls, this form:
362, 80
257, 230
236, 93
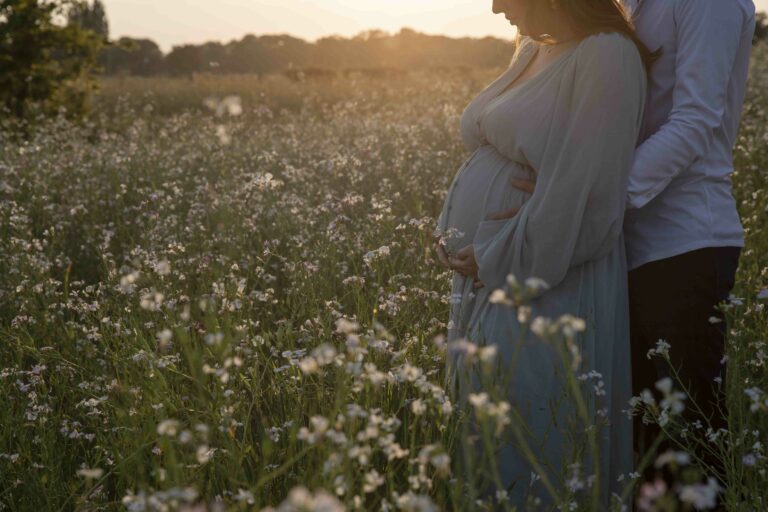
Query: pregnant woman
567, 114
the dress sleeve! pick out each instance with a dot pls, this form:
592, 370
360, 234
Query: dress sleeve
576, 212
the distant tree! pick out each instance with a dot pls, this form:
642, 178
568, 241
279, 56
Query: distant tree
44, 65
285, 51
372, 35
211, 56
184, 60
129, 56
761, 28
90, 17
335, 52
246, 55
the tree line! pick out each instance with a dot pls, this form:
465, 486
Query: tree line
405, 50
47, 66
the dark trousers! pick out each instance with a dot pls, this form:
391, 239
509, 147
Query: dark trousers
675, 300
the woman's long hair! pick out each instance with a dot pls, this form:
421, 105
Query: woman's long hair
591, 17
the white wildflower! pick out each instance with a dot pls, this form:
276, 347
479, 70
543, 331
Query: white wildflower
168, 427
90, 474
701, 496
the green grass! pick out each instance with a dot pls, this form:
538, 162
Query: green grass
168, 279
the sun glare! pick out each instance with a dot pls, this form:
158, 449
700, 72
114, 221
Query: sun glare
309, 19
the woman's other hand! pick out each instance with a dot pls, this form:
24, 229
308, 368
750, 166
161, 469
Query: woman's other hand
442, 254
464, 263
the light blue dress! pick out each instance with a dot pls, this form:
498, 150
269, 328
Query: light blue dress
573, 127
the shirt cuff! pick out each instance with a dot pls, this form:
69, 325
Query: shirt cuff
638, 199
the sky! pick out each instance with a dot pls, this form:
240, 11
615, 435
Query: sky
173, 22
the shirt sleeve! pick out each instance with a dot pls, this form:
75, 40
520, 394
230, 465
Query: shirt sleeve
576, 211
708, 37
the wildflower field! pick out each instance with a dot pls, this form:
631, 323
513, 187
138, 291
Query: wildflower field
220, 294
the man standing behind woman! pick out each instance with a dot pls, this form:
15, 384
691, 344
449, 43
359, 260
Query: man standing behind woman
682, 227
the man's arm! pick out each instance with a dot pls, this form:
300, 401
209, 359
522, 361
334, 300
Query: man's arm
708, 35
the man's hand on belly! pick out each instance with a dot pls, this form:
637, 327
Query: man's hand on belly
504, 214
525, 185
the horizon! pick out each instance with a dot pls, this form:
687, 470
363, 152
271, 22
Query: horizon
227, 20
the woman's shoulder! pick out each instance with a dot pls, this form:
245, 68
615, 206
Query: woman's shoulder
526, 43
607, 48
523, 46
607, 42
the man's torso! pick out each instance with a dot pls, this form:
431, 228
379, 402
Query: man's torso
697, 209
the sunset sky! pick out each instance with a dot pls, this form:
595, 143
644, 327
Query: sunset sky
171, 22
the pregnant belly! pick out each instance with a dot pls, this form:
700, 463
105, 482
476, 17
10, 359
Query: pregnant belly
481, 187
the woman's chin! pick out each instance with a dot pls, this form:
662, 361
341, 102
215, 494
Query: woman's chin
520, 28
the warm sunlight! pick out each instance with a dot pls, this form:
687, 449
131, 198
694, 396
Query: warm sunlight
172, 22
382, 255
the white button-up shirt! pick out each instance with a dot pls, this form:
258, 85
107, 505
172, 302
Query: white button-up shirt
680, 192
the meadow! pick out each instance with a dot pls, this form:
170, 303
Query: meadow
220, 294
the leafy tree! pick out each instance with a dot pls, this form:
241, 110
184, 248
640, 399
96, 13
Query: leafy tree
43, 65
761, 28
90, 17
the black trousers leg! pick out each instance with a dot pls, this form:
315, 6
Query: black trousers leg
675, 300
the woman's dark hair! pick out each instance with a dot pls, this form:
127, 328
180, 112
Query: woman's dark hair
591, 17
